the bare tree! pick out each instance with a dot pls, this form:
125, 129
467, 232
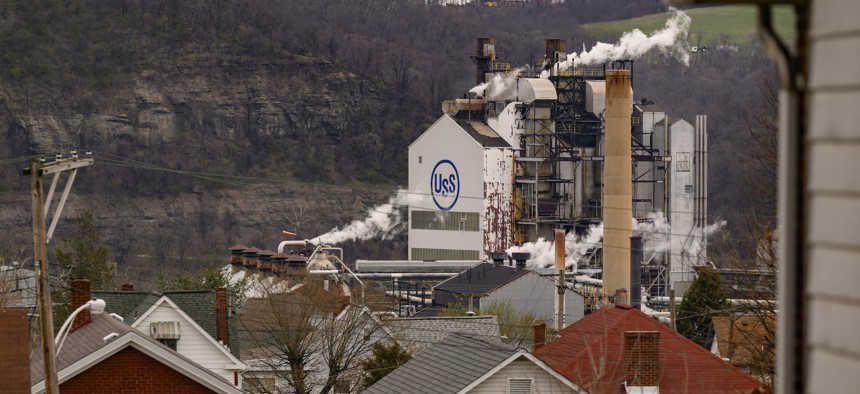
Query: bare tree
311, 339
748, 258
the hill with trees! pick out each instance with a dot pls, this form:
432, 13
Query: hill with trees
225, 121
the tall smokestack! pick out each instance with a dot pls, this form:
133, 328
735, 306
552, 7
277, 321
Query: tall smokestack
617, 183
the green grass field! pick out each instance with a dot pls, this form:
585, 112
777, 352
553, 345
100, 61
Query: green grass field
735, 24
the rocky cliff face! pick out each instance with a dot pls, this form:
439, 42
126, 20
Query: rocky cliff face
225, 99
199, 113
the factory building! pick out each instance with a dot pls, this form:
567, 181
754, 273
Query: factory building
557, 148
459, 176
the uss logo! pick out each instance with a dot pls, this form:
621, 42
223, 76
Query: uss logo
445, 185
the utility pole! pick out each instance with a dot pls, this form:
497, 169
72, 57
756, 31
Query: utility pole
672, 308
40, 243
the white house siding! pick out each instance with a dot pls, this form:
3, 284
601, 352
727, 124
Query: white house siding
192, 343
498, 190
445, 140
522, 368
833, 144
536, 294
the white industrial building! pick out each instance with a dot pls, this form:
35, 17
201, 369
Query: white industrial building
460, 179
529, 158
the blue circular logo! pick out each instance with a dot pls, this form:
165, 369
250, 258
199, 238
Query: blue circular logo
445, 185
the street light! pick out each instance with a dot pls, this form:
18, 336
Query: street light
96, 307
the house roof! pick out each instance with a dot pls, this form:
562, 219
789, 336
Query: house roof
446, 367
590, 353
741, 338
481, 279
419, 333
86, 347
199, 305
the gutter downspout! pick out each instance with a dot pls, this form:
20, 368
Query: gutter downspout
792, 205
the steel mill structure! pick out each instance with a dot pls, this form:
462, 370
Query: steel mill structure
553, 148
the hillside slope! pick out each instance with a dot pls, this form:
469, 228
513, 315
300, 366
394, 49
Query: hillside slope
722, 25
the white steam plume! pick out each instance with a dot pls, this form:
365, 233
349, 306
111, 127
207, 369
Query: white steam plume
575, 248
671, 39
655, 234
500, 88
382, 222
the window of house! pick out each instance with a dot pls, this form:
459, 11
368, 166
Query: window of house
519, 386
166, 332
171, 343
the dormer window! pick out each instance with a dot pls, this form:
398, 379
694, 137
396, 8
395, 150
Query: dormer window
166, 332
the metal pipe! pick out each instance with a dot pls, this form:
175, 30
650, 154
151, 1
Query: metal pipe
285, 243
324, 272
404, 275
409, 297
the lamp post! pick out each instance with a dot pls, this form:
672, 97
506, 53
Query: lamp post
96, 307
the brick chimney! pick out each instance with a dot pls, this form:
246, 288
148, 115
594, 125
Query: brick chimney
127, 286
80, 296
222, 329
539, 334
14, 351
641, 356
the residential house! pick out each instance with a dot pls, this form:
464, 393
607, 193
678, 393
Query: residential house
463, 363
197, 324
620, 350
525, 291
102, 354
748, 342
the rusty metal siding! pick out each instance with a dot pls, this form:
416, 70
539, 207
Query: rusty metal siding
498, 200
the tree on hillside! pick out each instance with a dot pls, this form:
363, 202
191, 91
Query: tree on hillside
311, 339
384, 359
704, 299
84, 256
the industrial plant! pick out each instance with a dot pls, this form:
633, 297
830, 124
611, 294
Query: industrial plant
549, 147
553, 169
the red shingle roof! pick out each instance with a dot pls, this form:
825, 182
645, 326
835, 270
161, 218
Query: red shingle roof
590, 353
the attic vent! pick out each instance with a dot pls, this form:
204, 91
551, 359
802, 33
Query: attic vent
164, 330
519, 386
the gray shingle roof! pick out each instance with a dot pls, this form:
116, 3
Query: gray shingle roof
446, 367
419, 333
477, 281
199, 305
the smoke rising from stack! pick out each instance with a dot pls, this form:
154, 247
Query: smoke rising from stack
500, 88
671, 40
382, 222
655, 233
576, 247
